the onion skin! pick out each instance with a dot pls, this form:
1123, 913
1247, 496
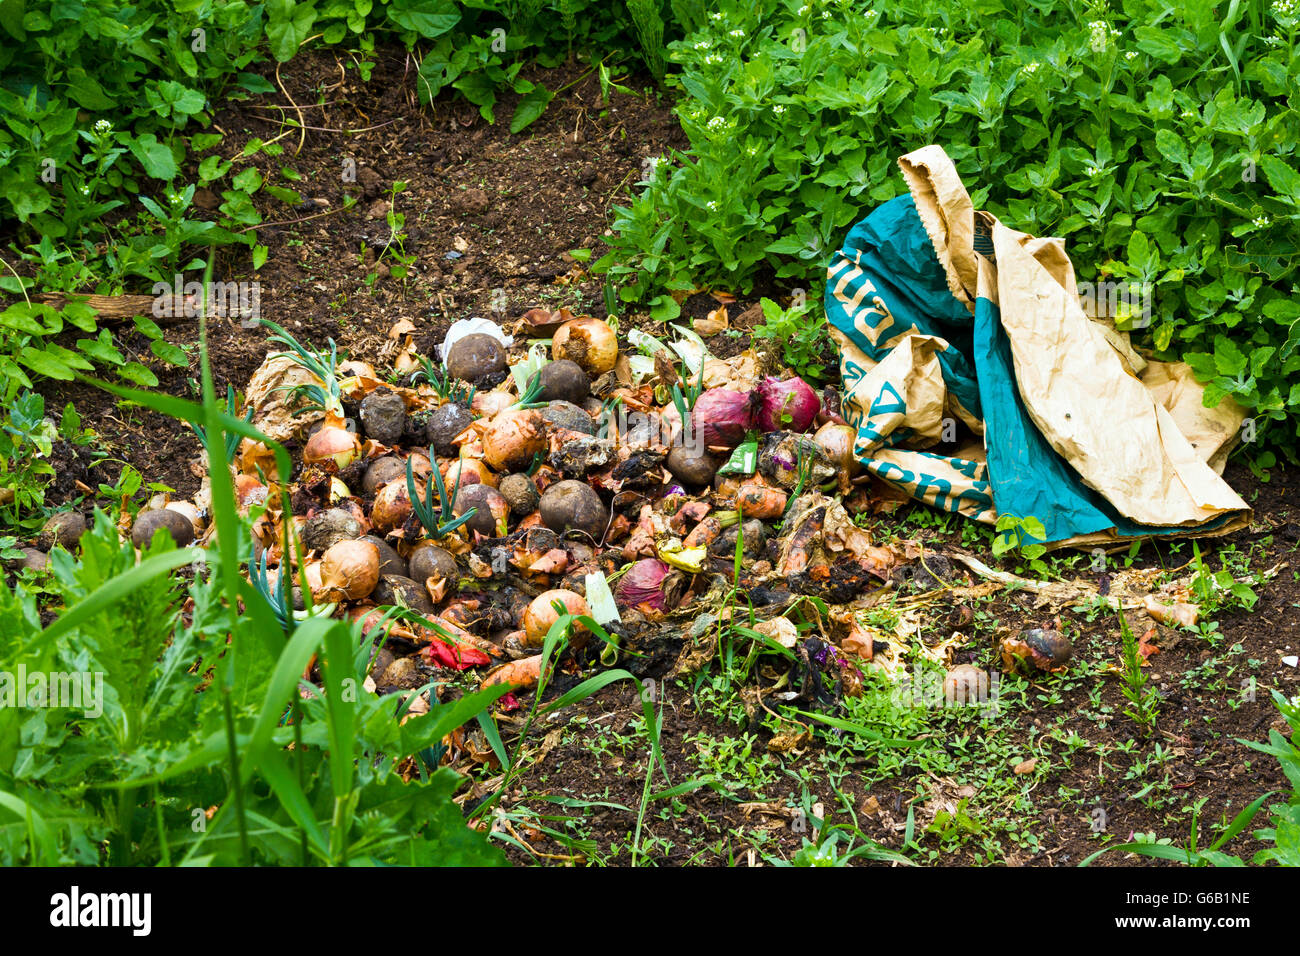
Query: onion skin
392, 506
332, 444
540, 615
642, 585
469, 471
724, 416
512, 438
250, 492
488, 404
588, 342
349, 570
785, 405
837, 442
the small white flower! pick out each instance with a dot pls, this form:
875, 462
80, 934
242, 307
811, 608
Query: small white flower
778, 109
713, 205
717, 123
736, 33
805, 10
1189, 114
103, 126
1029, 69
717, 17
1262, 222
713, 59
1131, 55
85, 190
704, 45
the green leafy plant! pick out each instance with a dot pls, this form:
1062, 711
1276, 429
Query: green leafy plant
1218, 590
1144, 702
1282, 836
1157, 144
1022, 535
202, 746
26, 440
324, 394
438, 520
800, 331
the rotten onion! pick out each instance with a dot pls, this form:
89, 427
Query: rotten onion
784, 404
588, 342
331, 443
349, 570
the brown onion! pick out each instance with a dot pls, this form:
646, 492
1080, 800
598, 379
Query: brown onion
488, 404
358, 368
512, 438
312, 571
838, 441
250, 492
470, 471
589, 342
332, 444
392, 506
349, 570
541, 614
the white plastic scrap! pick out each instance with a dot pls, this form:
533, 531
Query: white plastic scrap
600, 599
463, 327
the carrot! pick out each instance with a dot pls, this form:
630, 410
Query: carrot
796, 553
522, 674
757, 499
704, 533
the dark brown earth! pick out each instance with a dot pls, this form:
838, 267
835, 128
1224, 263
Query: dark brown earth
516, 205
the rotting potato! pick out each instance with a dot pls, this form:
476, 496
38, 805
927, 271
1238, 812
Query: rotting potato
327, 528
490, 509
381, 472
147, 524
64, 528
475, 357
444, 424
563, 380
692, 469
400, 591
521, 494
430, 561
383, 416
574, 506
390, 562
562, 414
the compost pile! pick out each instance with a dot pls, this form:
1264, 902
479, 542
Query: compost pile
459, 502
654, 496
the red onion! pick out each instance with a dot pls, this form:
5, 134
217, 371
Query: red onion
647, 584
724, 416
785, 405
